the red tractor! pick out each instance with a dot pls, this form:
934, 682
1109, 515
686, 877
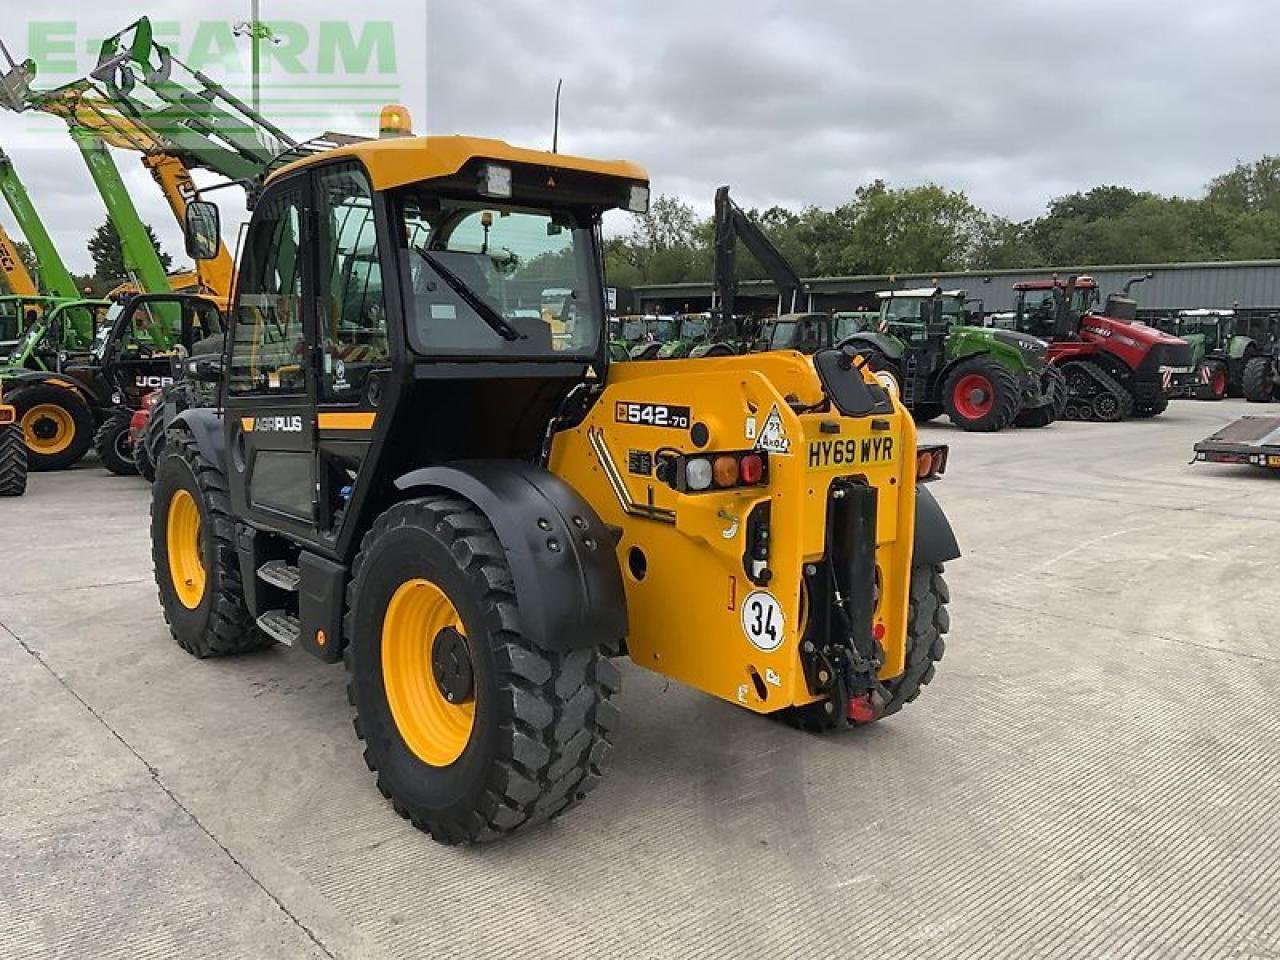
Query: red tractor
1115, 367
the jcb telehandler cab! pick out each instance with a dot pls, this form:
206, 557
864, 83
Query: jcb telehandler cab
475, 511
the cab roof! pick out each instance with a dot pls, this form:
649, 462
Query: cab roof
919, 293
400, 161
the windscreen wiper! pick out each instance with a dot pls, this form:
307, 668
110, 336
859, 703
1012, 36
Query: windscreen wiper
497, 323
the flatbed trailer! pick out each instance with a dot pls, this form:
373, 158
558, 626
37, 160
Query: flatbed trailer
1249, 440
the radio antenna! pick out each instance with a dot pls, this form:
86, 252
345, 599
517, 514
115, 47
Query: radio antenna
555, 132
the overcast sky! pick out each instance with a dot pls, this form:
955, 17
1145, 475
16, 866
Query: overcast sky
1013, 101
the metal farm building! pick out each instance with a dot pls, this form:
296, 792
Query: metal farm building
1252, 285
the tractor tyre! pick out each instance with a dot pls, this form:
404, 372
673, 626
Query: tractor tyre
1259, 380
472, 729
56, 423
196, 566
1215, 388
980, 395
881, 364
113, 446
927, 623
142, 459
925, 412
13, 461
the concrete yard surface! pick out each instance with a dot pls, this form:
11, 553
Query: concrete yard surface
1095, 770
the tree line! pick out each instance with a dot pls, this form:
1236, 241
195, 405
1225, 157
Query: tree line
107, 253
929, 229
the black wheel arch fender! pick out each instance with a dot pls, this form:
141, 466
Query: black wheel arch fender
205, 426
935, 541
21, 380
889, 345
566, 573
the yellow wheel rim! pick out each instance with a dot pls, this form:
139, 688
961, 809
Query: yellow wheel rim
48, 428
436, 730
182, 538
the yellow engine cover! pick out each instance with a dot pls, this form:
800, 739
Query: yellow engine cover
694, 614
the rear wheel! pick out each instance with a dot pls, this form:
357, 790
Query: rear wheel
56, 424
927, 623
472, 729
13, 461
980, 395
1259, 380
1218, 381
113, 446
196, 566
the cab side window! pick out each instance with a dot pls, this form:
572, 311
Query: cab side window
268, 351
353, 316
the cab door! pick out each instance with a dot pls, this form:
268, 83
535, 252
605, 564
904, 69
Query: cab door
270, 385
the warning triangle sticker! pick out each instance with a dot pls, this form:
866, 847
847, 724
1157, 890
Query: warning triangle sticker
773, 435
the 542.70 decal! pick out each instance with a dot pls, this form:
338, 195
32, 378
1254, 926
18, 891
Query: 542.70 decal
653, 415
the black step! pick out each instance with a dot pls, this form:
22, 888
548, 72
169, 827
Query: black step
280, 626
281, 574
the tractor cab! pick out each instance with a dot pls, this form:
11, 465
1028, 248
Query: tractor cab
62, 334
804, 332
18, 313
1052, 309
145, 341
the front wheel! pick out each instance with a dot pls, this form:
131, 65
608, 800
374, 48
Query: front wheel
56, 424
472, 729
13, 461
1259, 380
980, 395
114, 447
196, 566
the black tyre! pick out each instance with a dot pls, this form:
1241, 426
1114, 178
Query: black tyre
113, 445
1258, 380
927, 624
56, 422
196, 566
142, 459
13, 461
925, 412
980, 395
473, 731
1146, 409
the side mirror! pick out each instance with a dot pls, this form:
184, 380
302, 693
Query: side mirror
203, 369
203, 230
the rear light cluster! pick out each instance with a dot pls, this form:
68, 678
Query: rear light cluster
931, 462
721, 471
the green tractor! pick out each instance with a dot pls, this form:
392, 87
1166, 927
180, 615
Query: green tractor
984, 379
808, 332
1222, 346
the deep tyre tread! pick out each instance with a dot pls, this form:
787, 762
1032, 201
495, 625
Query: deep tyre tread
544, 721
23, 399
222, 625
13, 461
1258, 380
927, 624
112, 445
142, 460
1006, 402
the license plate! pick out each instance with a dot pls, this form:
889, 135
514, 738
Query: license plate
850, 452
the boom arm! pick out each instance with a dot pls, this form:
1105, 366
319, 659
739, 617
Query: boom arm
733, 225
54, 275
140, 257
15, 271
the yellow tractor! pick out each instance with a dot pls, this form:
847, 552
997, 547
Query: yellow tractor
13, 453
411, 470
